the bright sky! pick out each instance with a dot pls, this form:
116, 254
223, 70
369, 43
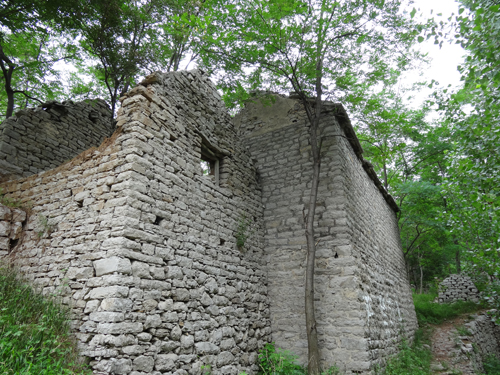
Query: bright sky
443, 67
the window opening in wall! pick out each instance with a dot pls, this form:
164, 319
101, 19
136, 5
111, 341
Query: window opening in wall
209, 163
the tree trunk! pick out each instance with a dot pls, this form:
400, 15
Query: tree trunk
312, 334
7, 76
457, 258
313, 365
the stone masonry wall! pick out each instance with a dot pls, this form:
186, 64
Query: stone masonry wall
11, 227
363, 299
457, 288
43, 138
142, 244
485, 334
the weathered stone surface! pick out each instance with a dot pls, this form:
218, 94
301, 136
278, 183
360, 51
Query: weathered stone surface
457, 288
112, 264
66, 130
142, 244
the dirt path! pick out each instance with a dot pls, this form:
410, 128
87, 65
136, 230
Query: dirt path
451, 352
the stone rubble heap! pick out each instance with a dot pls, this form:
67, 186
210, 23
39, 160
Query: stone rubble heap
457, 288
35, 140
11, 228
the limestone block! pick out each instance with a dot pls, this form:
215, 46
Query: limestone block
4, 243
165, 362
121, 366
152, 321
119, 328
4, 229
143, 363
5, 213
104, 316
224, 358
204, 348
112, 264
76, 273
108, 292
116, 304
140, 269
187, 341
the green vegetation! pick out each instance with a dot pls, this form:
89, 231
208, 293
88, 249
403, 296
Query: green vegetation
491, 365
273, 361
6, 201
34, 332
411, 360
436, 313
243, 231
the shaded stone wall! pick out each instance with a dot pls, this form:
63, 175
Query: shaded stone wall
142, 244
43, 138
12, 221
363, 298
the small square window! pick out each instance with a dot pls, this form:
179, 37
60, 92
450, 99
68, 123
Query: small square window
209, 163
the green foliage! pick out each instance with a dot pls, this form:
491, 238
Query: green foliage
6, 201
243, 231
435, 313
491, 365
411, 360
274, 361
35, 335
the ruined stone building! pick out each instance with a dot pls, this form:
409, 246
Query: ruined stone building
168, 268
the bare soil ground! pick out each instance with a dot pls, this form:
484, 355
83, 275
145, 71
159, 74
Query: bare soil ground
451, 351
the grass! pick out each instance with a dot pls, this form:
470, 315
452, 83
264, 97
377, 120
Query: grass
412, 359
436, 313
35, 335
491, 365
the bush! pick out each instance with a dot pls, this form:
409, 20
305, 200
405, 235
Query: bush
491, 365
411, 360
274, 361
436, 313
34, 332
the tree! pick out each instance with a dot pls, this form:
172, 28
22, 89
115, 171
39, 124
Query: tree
311, 47
473, 115
24, 46
130, 37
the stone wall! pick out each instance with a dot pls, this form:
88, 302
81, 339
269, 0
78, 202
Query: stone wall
168, 269
43, 138
457, 288
12, 221
485, 334
142, 245
363, 298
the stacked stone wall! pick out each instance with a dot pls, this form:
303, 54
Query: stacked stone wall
363, 300
457, 288
142, 245
12, 221
374, 242
485, 334
39, 139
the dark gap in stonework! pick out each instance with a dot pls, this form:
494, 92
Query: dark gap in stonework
222, 241
13, 243
336, 256
158, 220
79, 203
